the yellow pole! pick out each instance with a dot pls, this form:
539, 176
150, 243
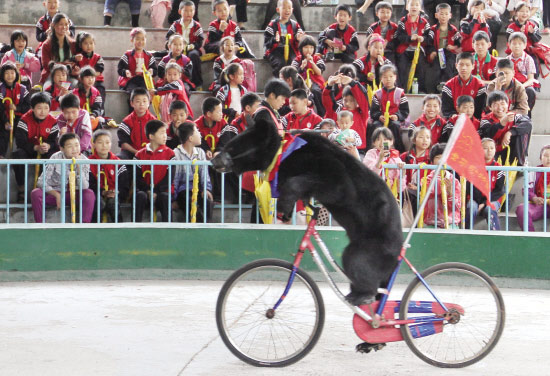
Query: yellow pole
413, 67
444, 197
37, 167
423, 189
387, 115
194, 193
106, 188
288, 37
12, 119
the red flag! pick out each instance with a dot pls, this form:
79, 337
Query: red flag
465, 155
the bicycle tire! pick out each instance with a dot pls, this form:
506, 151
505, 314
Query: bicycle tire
267, 340
476, 332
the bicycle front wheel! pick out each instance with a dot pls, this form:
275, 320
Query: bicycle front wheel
254, 331
471, 328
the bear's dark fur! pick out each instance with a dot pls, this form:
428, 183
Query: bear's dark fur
358, 199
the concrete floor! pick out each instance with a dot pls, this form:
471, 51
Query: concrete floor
168, 328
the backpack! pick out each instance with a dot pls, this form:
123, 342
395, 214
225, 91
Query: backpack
542, 52
249, 75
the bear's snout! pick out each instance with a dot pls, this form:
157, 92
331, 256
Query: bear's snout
222, 162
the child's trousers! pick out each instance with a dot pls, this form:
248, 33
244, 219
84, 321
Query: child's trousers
161, 204
88, 200
536, 212
404, 63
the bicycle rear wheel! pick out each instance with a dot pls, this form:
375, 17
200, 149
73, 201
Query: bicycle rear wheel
467, 336
256, 333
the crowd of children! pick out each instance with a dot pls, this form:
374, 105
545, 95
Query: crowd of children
363, 105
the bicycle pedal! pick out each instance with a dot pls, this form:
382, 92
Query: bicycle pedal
366, 347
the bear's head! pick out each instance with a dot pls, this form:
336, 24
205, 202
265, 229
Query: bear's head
251, 150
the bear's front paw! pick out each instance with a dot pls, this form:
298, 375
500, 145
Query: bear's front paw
357, 299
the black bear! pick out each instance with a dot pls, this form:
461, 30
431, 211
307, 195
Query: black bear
358, 199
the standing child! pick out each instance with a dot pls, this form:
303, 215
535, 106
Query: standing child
108, 175
152, 181
281, 38
231, 91
509, 84
36, 134
478, 202
210, 124
465, 105
228, 50
301, 117
70, 149
412, 29
171, 89
19, 98
133, 62
472, 24
385, 28
523, 24
88, 95
463, 84
339, 40
175, 44
131, 132
189, 150
390, 107
178, 115
383, 153
311, 67
223, 26
445, 42
524, 67
485, 62
193, 38
431, 117
418, 154
44, 22
26, 62
539, 193
75, 120
506, 128
58, 85
368, 66
85, 56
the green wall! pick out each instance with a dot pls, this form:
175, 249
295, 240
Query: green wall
62, 248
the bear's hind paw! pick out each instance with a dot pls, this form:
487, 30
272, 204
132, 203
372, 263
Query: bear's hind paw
366, 347
357, 299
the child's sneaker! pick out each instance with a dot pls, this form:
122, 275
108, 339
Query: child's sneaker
329, 56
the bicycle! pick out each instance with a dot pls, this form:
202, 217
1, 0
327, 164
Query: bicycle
266, 323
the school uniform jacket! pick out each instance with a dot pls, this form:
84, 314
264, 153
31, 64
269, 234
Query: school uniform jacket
399, 105
128, 62
224, 95
448, 127
453, 38
375, 28
271, 45
108, 173
29, 131
160, 172
205, 130
184, 62
93, 98
317, 78
485, 69
237, 126
55, 94
215, 34
491, 127
176, 88
307, 121
364, 66
196, 34
404, 33
20, 97
498, 179
132, 130
468, 27
456, 87
219, 65
435, 126
409, 157
532, 38
95, 61
348, 36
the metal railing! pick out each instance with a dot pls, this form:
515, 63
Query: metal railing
30, 164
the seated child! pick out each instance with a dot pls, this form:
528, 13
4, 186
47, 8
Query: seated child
159, 188
538, 194
281, 38
131, 64
385, 28
368, 66
485, 62
339, 40
301, 117
85, 56
26, 62
383, 153
228, 50
430, 118
210, 124
465, 105
175, 44
418, 154
474, 22
524, 67
478, 202
344, 136
294, 80
231, 91
442, 49
44, 22
88, 95
36, 134
463, 84
189, 150
70, 148
58, 85
506, 128
390, 99
327, 126
170, 89
131, 132
10, 87
193, 38
311, 67
223, 26
509, 84
354, 99
412, 29
276, 92
75, 120
436, 203
250, 102
523, 23
535, 11
178, 115
105, 184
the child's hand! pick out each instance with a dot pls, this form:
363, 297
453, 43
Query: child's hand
172, 61
329, 43
62, 131
344, 80
109, 194
538, 200
332, 80
76, 70
420, 38
128, 74
20, 66
78, 57
209, 154
400, 165
7, 126
57, 196
13, 107
452, 48
481, 18
150, 70
393, 117
506, 139
380, 60
223, 25
300, 35
382, 118
531, 29
63, 91
433, 55
209, 196
480, 208
152, 92
44, 148
277, 37
412, 186
304, 64
190, 47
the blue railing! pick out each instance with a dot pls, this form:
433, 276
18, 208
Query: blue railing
30, 164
